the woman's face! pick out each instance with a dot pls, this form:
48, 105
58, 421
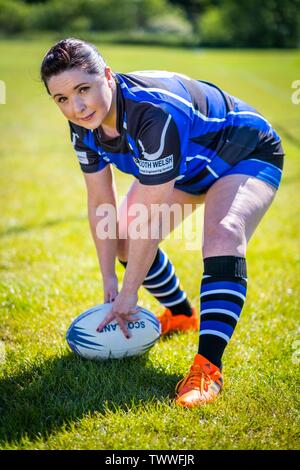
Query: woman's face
79, 95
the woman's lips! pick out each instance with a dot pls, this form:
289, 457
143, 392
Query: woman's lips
88, 117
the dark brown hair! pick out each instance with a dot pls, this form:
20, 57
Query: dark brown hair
68, 54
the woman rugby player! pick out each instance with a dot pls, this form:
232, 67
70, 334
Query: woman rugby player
186, 142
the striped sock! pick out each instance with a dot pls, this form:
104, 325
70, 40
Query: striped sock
162, 282
223, 293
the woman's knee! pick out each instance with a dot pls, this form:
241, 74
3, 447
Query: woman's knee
122, 253
235, 206
224, 238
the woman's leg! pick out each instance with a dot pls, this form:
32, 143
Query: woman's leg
234, 206
161, 280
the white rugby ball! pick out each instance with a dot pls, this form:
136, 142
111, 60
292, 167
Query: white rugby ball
111, 343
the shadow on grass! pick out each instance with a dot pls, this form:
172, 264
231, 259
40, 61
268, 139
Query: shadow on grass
51, 393
16, 229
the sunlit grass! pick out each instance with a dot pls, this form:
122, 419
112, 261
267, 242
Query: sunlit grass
49, 274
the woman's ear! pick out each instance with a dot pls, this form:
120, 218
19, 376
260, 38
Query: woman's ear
109, 77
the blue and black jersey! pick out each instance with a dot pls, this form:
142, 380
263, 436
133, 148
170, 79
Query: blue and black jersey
174, 127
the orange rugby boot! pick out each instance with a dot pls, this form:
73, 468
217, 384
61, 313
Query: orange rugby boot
171, 322
201, 385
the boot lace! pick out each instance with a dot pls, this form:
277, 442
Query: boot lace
200, 380
197, 378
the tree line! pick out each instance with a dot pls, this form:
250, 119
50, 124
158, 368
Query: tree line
212, 23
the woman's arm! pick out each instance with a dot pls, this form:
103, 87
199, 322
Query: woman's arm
141, 253
101, 190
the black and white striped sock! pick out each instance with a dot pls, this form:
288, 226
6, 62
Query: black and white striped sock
223, 293
162, 282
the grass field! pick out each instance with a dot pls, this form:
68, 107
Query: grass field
49, 399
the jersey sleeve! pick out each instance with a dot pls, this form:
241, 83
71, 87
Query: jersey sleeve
159, 148
89, 159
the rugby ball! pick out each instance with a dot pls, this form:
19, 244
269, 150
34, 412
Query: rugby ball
111, 343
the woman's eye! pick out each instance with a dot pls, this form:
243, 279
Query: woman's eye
81, 90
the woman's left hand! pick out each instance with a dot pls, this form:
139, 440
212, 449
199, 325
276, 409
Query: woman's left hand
110, 287
122, 310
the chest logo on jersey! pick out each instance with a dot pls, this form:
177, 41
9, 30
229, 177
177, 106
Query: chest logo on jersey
155, 167
158, 153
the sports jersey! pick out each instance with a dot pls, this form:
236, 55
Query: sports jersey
174, 127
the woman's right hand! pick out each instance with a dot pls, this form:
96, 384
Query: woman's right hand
110, 286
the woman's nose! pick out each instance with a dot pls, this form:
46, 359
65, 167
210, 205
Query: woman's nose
79, 106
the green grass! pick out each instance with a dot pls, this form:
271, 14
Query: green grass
50, 399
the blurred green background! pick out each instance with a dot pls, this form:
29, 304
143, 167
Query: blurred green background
217, 23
